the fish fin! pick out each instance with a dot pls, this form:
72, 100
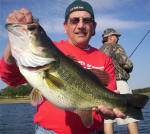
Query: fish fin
135, 103
53, 81
137, 100
35, 97
86, 117
135, 113
101, 75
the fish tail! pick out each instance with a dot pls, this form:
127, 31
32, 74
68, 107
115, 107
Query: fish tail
135, 103
137, 100
35, 97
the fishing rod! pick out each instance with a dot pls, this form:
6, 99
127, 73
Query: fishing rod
139, 43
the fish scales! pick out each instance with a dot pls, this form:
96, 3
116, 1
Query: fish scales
76, 79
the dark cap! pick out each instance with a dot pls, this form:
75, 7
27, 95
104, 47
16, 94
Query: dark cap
79, 5
110, 31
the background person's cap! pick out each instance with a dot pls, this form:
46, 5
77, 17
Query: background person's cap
79, 5
110, 31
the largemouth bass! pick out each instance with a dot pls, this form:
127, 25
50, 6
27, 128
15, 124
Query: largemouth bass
61, 80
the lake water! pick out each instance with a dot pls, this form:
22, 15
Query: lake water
17, 119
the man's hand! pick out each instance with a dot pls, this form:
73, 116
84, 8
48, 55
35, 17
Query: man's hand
22, 16
107, 113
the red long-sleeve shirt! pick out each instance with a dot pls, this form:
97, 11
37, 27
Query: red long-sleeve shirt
49, 116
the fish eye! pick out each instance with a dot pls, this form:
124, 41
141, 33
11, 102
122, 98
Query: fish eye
31, 27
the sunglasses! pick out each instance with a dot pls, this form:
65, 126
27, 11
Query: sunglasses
76, 20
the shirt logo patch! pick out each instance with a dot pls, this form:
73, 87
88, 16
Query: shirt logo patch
89, 66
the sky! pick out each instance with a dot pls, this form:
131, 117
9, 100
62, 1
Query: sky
129, 17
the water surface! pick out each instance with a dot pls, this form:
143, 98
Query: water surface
18, 119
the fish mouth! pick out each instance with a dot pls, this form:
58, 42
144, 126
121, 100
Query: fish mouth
16, 28
10, 26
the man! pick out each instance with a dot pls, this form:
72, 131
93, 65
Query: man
123, 66
79, 26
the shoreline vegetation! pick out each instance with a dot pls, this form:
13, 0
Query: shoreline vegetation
20, 94
6, 100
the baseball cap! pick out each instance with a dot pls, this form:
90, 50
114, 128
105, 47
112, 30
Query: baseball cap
110, 31
79, 5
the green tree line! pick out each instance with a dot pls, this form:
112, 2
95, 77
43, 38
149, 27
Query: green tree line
13, 92
142, 90
24, 90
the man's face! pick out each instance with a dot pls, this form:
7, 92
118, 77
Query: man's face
113, 39
79, 28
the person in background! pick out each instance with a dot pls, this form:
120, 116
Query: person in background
123, 66
79, 25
